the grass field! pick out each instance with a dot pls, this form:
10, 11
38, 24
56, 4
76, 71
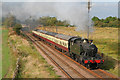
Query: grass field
5, 52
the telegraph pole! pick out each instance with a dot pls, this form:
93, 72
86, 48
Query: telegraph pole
56, 28
88, 18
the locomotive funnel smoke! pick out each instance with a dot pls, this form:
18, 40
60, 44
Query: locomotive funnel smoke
74, 12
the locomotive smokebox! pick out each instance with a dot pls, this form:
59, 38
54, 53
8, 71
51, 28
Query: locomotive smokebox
90, 49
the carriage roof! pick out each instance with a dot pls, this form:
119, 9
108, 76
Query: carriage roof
61, 36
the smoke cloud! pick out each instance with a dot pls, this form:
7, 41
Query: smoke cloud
74, 12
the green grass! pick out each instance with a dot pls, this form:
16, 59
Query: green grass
115, 71
26, 50
5, 52
31, 50
0, 54
108, 47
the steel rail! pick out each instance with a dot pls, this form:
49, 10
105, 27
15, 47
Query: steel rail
75, 71
67, 75
76, 62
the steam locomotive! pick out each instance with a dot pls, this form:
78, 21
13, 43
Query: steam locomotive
80, 49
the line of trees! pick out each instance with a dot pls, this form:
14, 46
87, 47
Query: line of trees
11, 21
47, 21
108, 22
53, 21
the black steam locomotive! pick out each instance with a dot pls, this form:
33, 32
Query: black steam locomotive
80, 49
84, 52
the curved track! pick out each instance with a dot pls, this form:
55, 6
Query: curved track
63, 66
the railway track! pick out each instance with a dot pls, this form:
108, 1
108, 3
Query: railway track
104, 74
66, 68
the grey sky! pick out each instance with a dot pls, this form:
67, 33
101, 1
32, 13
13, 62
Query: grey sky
104, 9
59, 0
100, 9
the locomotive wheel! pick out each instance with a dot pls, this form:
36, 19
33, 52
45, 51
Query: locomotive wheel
97, 66
72, 56
88, 66
76, 59
80, 60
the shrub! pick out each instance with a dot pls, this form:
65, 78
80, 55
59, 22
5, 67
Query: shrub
17, 28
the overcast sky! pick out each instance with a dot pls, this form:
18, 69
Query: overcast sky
100, 8
59, 0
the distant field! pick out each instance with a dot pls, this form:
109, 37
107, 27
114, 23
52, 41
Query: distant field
106, 38
5, 53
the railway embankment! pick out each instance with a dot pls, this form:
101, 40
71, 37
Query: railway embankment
30, 64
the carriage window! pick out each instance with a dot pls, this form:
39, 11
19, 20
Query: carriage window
65, 44
72, 43
60, 42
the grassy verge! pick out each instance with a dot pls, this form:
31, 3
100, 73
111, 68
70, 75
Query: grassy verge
110, 65
5, 53
0, 53
33, 65
107, 47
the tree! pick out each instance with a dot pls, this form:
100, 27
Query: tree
108, 22
53, 21
17, 28
114, 18
43, 21
95, 19
9, 21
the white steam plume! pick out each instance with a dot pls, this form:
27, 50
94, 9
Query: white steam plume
74, 12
